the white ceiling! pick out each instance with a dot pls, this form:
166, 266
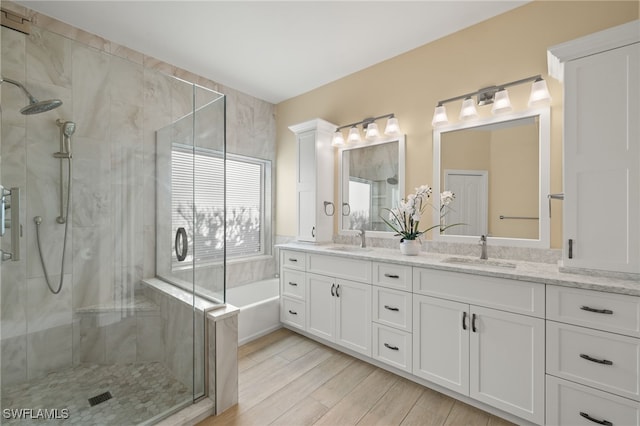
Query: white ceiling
272, 50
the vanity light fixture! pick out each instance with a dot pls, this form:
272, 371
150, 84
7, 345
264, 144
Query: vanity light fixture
496, 95
371, 130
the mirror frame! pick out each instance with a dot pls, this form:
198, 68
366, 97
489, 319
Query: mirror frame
401, 182
544, 142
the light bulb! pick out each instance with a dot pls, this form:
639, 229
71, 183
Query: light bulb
338, 139
354, 135
468, 110
439, 116
539, 93
501, 102
392, 128
372, 131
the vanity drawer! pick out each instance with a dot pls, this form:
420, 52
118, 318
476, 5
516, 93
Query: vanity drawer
393, 276
393, 347
292, 312
521, 297
568, 403
392, 308
606, 361
293, 283
340, 267
618, 313
294, 259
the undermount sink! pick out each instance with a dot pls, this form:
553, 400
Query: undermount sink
479, 262
349, 248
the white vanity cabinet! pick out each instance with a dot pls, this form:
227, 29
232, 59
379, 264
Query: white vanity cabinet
469, 335
292, 288
314, 180
392, 315
601, 215
340, 311
593, 357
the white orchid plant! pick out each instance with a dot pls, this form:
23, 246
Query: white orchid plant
405, 219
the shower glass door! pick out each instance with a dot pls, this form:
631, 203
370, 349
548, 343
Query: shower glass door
142, 155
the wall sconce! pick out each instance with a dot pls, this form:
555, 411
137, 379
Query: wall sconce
371, 130
496, 95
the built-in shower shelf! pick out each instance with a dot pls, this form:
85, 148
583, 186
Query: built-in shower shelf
140, 303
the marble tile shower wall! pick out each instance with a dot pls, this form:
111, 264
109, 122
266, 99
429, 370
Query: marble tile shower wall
118, 98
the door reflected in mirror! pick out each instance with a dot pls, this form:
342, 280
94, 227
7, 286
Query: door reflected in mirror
371, 180
498, 170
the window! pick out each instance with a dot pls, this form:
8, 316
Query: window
248, 213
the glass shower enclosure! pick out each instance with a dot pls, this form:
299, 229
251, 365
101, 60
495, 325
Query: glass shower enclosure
142, 176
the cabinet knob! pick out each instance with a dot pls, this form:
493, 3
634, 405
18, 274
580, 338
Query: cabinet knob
473, 323
392, 276
391, 308
293, 284
293, 312
464, 320
333, 288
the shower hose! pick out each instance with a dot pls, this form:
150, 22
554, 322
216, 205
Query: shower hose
38, 221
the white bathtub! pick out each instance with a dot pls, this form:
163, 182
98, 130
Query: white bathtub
259, 304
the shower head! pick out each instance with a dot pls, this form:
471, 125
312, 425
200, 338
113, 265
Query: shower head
41, 106
35, 106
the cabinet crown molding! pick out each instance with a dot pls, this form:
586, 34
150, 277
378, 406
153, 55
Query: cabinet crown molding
315, 124
591, 44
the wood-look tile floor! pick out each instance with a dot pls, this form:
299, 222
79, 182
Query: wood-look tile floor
287, 379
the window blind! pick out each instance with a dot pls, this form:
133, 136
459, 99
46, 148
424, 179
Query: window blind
197, 203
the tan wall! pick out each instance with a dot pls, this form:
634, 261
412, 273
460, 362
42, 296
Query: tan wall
502, 49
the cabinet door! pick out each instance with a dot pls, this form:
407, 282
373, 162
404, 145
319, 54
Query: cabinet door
507, 362
320, 295
441, 342
306, 186
602, 161
353, 305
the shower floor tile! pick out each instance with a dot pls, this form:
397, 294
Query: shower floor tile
139, 393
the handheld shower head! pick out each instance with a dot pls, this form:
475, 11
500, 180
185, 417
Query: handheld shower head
35, 106
68, 128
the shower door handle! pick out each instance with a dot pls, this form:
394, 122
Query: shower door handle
181, 244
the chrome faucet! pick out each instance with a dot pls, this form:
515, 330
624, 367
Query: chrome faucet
483, 243
363, 242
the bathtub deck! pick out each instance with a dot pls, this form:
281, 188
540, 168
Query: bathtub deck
287, 379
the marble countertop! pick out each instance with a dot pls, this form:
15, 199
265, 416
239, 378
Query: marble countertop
543, 273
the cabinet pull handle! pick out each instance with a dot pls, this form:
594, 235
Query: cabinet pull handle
570, 248
291, 259
313, 232
597, 311
333, 287
596, 360
393, 348
391, 308
338, 290
293, 284
464, 320
600, 422
392, 276
293, 312
473, 323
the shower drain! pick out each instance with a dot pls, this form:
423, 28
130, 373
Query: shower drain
95, 400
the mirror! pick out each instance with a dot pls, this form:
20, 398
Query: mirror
371, 180
498, 169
